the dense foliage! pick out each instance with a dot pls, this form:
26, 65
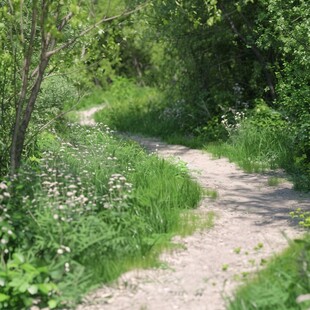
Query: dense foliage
214, 59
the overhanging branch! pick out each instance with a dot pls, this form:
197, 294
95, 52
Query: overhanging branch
87, 30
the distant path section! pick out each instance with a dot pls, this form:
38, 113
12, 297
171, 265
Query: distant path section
252, 224
87, 116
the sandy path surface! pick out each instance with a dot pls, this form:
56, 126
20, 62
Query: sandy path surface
252, 224
87, 116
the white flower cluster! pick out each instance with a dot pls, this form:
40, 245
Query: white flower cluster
231, 127
63, 249
119, 191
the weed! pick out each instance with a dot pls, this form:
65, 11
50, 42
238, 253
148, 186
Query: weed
237, 250
225, 267
211, 193
259, 246
191, 222
302, 216
274, 181
263, 262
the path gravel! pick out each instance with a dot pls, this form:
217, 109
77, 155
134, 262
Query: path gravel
252, 224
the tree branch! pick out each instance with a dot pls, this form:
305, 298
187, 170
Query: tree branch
87, 30
65, 21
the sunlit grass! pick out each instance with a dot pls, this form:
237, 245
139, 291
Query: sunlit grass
91, 197
278, 286
256, 149
275, 181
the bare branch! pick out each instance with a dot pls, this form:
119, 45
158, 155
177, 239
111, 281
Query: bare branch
65, 21
21, 21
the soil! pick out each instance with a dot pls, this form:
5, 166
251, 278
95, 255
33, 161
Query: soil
252, 224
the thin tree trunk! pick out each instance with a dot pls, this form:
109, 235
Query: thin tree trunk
18, 143
25, 105
15, 146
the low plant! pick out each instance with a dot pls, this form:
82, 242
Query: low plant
302, 216
24, 284
274, 181
211, 193
281, 284
262, 141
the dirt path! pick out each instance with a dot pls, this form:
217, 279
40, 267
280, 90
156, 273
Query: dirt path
252, 224
87, 116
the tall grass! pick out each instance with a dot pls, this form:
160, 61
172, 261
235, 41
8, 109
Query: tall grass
256, 149
90, 208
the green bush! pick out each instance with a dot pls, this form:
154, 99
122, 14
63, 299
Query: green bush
57, 94
24, 285
260, 141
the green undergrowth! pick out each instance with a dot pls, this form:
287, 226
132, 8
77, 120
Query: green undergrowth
94, 98
89, 208
260, 149
278, 287
143, 110
256, 149
258, 140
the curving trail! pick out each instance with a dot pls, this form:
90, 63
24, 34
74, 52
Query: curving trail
252, 224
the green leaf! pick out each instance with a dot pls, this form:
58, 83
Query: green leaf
23, 287
19, 258
45, 288
4, 297
52, 303
210, 21
30, 269
33, 289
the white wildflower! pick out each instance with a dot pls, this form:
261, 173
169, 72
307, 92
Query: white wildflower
3, 186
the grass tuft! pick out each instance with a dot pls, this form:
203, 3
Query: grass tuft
278, 286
